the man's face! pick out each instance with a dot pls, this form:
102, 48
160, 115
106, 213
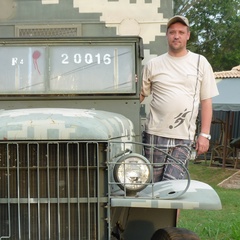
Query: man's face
177, 36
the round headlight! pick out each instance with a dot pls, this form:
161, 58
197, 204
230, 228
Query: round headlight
132, 172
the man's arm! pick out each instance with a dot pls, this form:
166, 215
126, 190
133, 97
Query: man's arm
202, 143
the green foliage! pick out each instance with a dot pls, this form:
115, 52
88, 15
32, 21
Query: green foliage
214, 225
215, 30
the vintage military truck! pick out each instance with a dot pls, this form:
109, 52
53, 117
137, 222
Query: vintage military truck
71, 158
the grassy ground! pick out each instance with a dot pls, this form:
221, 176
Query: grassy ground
214, 225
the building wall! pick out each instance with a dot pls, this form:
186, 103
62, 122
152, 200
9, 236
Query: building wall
216, 127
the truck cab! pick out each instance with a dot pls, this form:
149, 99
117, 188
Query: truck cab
72, 162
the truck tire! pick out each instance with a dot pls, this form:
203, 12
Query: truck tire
173, 233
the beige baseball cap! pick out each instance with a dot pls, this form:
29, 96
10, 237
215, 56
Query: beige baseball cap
178, 18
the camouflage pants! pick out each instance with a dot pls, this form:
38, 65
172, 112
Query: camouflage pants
167, 155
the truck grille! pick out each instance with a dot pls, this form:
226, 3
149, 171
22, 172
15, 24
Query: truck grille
53, 190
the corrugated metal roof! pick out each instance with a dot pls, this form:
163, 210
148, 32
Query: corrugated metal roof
234, 73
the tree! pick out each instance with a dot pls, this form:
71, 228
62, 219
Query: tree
215, 30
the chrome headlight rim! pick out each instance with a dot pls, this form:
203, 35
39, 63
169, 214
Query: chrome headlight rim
132, 160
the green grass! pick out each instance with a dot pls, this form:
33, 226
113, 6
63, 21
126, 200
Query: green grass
215, 225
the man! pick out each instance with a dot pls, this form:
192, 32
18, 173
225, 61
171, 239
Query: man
179, 81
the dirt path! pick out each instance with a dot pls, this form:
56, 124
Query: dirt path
232, 182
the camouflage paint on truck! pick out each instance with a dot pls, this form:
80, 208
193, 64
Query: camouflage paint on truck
145, 18
64, 123
76, 18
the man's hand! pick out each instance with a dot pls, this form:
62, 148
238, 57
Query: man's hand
141, 98
202, 145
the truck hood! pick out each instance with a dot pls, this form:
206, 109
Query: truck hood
63, 124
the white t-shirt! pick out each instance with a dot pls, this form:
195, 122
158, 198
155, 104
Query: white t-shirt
177, 87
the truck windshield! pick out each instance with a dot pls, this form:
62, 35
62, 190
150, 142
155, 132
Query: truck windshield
85, 68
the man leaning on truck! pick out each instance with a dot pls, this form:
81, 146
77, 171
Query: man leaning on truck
179, 81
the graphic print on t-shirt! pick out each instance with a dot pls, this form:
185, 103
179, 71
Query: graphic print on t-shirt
179, 119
